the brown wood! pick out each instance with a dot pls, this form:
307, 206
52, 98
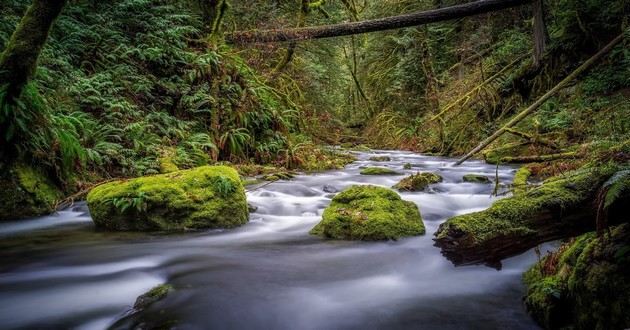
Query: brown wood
381, 24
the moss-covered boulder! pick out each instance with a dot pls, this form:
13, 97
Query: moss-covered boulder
561, 207
520, 182
585, 284
26, 192
378, 171
476, 178
203, 197
369, 213
418, 181
380, 159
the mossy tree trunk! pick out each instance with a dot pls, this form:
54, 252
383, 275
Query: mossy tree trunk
19, 60
212, 12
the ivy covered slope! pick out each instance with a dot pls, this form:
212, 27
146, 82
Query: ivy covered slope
203, 197
583, 285
369, 213
562, 206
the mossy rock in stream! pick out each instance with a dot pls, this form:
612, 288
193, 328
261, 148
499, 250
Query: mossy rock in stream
203, 197
378, 171
585, 284
476, 178
26, 192
380, 159
418, 181
562, 206
369, 213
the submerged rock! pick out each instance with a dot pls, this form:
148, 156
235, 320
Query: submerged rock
418, 181
407, 166
26, 192
583, 285
378, 171
476, 178
329, 189
203, 197
380, 159
561, 207
369, 213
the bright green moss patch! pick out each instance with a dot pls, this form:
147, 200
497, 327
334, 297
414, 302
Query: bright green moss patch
378, 171
476, 178
418, 181
26, 192
520, 179
380, 159
369, 213
167, 164
203, 197
584, 285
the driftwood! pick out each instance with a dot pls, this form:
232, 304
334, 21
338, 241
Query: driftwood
585, 66
382, 24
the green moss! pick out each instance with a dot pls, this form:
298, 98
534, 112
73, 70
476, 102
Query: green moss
380, 159
204, 197
584, 285
378, 171
407, 166
476, 178
26, 192
369, 213
167, 164
494, 156
417, 182
520, 179
279, 176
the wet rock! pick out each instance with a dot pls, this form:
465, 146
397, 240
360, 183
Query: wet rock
204, 197
252, 208
418, 181
330, 189
369, 213
157, 293
407, 166
380, 159
378, 171
476, 178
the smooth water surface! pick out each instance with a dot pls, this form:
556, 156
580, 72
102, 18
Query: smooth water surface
58, 272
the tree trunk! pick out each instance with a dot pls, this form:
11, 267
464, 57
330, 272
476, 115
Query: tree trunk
212, 14
541, 36
388, 23
19, 60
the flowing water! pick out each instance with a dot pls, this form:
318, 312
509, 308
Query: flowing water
58, 272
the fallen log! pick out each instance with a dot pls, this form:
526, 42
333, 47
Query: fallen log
381, 24
561, 207
538, 158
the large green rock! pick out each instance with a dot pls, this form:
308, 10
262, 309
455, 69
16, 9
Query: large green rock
369, 213
203, 197
585, 284
26, 192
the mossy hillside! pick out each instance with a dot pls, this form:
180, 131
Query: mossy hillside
583, 285
560, 205
476, 178
378, 171
418, 181
369, 213
26, 192
204, 197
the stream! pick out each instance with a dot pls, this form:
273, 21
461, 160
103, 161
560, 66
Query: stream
59, 272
